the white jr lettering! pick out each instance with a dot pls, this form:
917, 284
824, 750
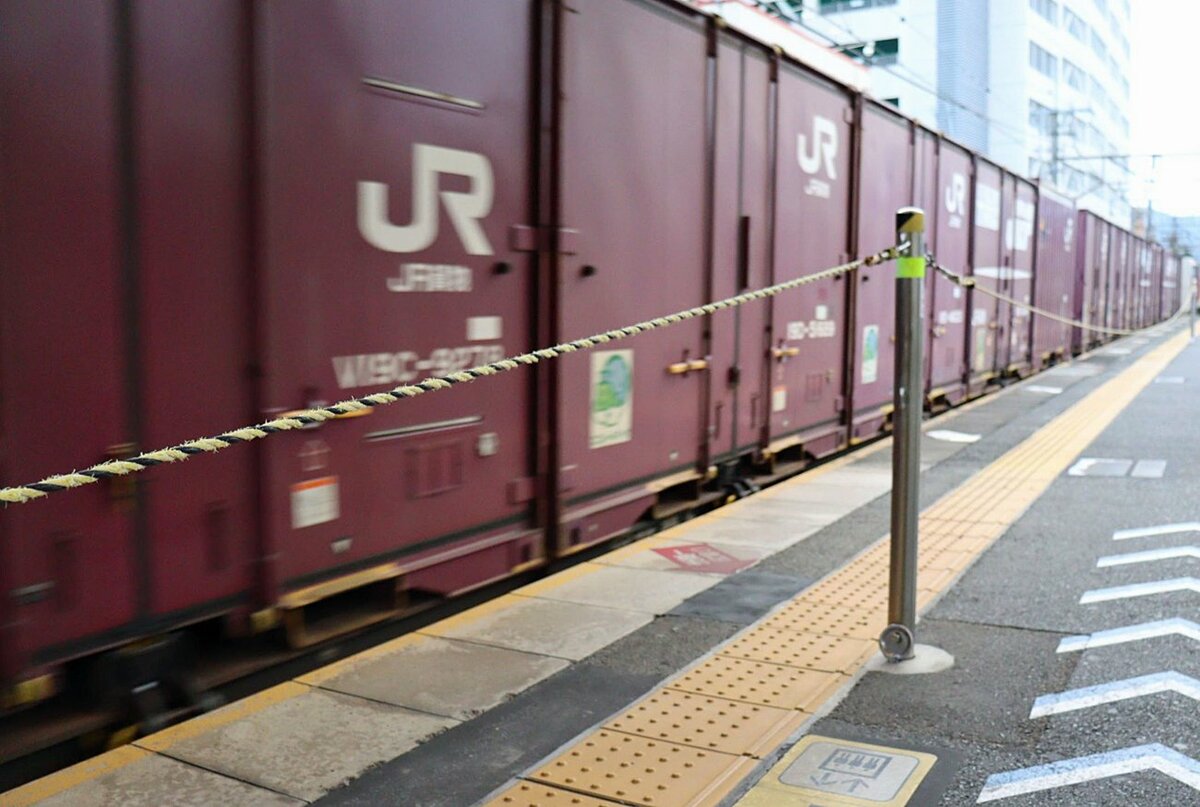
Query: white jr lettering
465, 209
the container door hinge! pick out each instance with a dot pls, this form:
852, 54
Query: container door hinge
734, 376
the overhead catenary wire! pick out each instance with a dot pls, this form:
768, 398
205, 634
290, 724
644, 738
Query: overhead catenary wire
20, 494
970, 283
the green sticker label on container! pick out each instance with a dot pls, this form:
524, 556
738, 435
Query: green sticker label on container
612, 398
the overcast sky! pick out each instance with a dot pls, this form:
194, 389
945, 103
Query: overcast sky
1164, 111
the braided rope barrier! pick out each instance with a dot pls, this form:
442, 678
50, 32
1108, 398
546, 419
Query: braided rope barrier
20, 494
970, 282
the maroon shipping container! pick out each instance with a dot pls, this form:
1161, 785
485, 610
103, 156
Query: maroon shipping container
947, 306
633, 186
1093, 271
1054, 285
811, 202
1123, 258
987, 264
1019, 224
395, 186
1152, 301
70, 570
885, 185
743, 161
1168, 302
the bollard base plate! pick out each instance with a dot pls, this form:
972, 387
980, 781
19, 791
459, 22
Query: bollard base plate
925, 659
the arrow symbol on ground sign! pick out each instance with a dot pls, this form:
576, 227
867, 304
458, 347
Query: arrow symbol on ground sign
1140, 590
1131, 633
1149, 555
1163, 529
1087, 697
1152, 757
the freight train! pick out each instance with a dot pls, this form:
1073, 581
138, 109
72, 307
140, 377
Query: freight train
217, 212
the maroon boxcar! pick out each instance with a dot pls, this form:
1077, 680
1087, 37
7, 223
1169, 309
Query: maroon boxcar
987, 262
805, 389
886, 159
219, 212
1054, 285
947, 306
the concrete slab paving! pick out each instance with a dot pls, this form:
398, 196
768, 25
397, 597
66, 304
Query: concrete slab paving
440, 676
842, 491
307, 745
641, 590
773, 531
547, 627
155, 780
773, 508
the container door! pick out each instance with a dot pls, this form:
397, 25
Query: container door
948, 301
1100, 278
741, 245
812, 197
884, 187
395, 167
986, 267
633, 186
68, 567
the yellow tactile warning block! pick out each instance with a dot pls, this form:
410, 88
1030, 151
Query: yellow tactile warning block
759, 682
651, 773
841, 773
532, 794
799, 656
807, 650
849, 618
701, 721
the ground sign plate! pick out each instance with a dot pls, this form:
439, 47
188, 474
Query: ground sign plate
829, 771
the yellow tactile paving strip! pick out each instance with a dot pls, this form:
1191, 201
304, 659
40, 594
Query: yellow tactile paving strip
803, 653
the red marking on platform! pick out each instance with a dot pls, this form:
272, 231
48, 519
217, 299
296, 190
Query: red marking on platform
703, 558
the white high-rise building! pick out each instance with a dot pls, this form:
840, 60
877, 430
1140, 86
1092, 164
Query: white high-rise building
1036, 85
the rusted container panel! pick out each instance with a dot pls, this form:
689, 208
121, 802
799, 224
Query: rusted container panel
986, 265
885, 185
395, 167
1018, 283
1054, 284
741, 245
192, 252
634, 165
812, 197
947, 310
68, 569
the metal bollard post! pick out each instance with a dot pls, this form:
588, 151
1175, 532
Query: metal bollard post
898, 637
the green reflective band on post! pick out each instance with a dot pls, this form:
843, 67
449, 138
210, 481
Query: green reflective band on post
910, 267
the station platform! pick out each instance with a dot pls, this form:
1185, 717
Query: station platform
732, 659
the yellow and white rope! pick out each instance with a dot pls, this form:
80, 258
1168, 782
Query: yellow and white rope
206, 445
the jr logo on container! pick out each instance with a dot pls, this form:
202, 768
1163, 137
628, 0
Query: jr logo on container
956, 200
465, 210
612, 398
817, 154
